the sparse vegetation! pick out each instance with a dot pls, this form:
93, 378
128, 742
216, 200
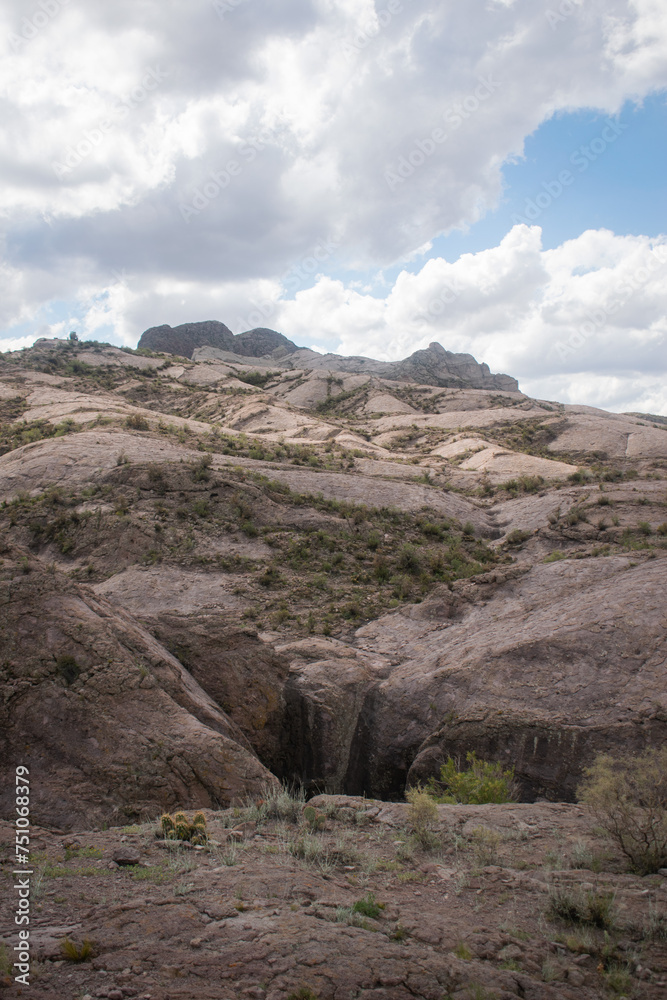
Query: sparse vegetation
576, 906
481, 782
179, 827
73, 952
628, 796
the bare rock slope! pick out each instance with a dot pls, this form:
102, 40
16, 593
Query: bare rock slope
234, 568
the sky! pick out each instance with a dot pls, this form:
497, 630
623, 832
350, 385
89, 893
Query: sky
366, 177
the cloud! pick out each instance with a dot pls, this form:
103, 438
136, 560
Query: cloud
202, 149
592, 313
116, 121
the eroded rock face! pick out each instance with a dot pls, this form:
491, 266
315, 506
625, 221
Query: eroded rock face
261, 342
183, 339
436, 366
325, 693
563, 662
242, 674
110, 724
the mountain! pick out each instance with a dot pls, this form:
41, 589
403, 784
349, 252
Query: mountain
432, 366
330, 571
184, 339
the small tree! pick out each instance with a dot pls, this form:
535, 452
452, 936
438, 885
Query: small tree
628, 796
73, 336
480, 783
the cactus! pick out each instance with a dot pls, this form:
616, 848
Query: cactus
179, 827
314, 819
168, 826
183, 831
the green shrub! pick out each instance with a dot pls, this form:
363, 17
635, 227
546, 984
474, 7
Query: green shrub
482, 782
573, 906
381, 569
314, 820
73, 952
408, 560
374, 541
68, 668
628, 796
368, 906
422, 816
517, 537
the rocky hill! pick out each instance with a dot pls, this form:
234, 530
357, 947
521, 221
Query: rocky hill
229, 571
214, 341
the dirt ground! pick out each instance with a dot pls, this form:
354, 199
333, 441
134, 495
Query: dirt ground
471, 907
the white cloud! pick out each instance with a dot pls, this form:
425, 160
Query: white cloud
118, 115
601, 333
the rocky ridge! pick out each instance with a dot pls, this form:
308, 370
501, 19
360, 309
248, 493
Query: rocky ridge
333, 578
212, 340
221, 574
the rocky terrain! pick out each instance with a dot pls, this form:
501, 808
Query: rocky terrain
238, 563
472, 907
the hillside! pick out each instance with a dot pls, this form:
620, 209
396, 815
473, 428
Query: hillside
227, 571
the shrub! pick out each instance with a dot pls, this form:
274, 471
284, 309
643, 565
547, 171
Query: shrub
381, 569
422, 815
594, 909
368, 906
628, 796
408, 560
73, 952
200, 470
68, 668
517, 537
136, 422
373, 541
644, 528
482, 782
314, 820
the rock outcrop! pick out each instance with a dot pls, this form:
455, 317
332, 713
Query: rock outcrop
183, 340
542, 671
111, 724
432, 366
372, 569
261, 342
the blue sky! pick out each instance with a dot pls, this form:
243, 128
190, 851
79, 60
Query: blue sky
165, 164
622, 189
